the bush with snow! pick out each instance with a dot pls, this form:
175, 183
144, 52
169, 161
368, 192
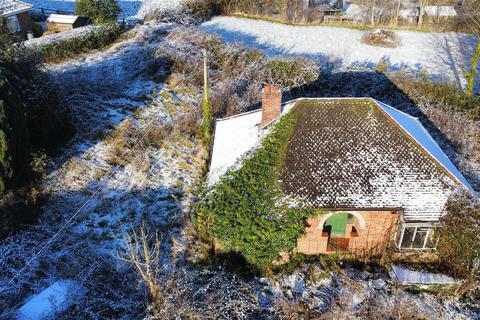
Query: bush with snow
459, 243
381, 38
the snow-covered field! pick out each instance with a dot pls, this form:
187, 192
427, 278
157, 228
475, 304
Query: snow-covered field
129, 8
442, 55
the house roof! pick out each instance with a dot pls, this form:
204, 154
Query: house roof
11, 7
350, 153
440, 11
62, 18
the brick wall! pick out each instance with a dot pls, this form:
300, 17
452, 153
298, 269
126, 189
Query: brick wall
271, 104
379, 228
26, 24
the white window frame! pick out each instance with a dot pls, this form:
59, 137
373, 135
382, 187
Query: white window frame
13, 24
431, 229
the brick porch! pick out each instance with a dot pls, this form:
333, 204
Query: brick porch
379, 228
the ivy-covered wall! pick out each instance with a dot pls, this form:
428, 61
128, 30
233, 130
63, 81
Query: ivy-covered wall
246, 212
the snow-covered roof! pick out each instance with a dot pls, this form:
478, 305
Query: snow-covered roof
350, 153
440, 11
11, 7
234, 136
62, 18
417, 131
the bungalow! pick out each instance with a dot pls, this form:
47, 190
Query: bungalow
374, 171
16, 15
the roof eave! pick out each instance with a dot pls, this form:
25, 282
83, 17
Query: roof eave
12, 13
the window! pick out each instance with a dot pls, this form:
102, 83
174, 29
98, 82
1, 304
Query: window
416, 237
12, 24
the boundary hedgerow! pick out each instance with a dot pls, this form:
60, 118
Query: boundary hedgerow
97, 37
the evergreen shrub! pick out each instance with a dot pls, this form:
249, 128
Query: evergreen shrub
99, 11
459, 241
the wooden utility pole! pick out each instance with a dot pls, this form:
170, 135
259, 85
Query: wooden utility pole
205, 75
206, 110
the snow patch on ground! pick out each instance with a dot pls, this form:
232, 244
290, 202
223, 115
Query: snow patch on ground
407, 276
443, 55
55, 299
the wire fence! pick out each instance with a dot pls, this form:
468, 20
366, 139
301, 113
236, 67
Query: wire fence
45, 12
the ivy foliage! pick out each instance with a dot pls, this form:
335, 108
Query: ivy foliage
246, 212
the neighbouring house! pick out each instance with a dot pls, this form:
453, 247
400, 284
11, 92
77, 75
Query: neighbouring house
327, 6
61, 22
16, 15
432, 14
373, 171
356, 12
409, 15
440, 11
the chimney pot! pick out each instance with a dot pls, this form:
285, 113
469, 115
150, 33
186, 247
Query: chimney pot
271, 104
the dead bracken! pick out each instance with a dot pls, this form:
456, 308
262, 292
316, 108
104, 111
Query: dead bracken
381, 38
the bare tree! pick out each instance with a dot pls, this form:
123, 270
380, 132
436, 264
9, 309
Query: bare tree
397, 13
421, 14
143, 253
372, 11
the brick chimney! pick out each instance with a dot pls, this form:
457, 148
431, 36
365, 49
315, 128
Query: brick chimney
271, 104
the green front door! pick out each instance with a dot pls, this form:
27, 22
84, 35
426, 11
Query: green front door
338, 223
